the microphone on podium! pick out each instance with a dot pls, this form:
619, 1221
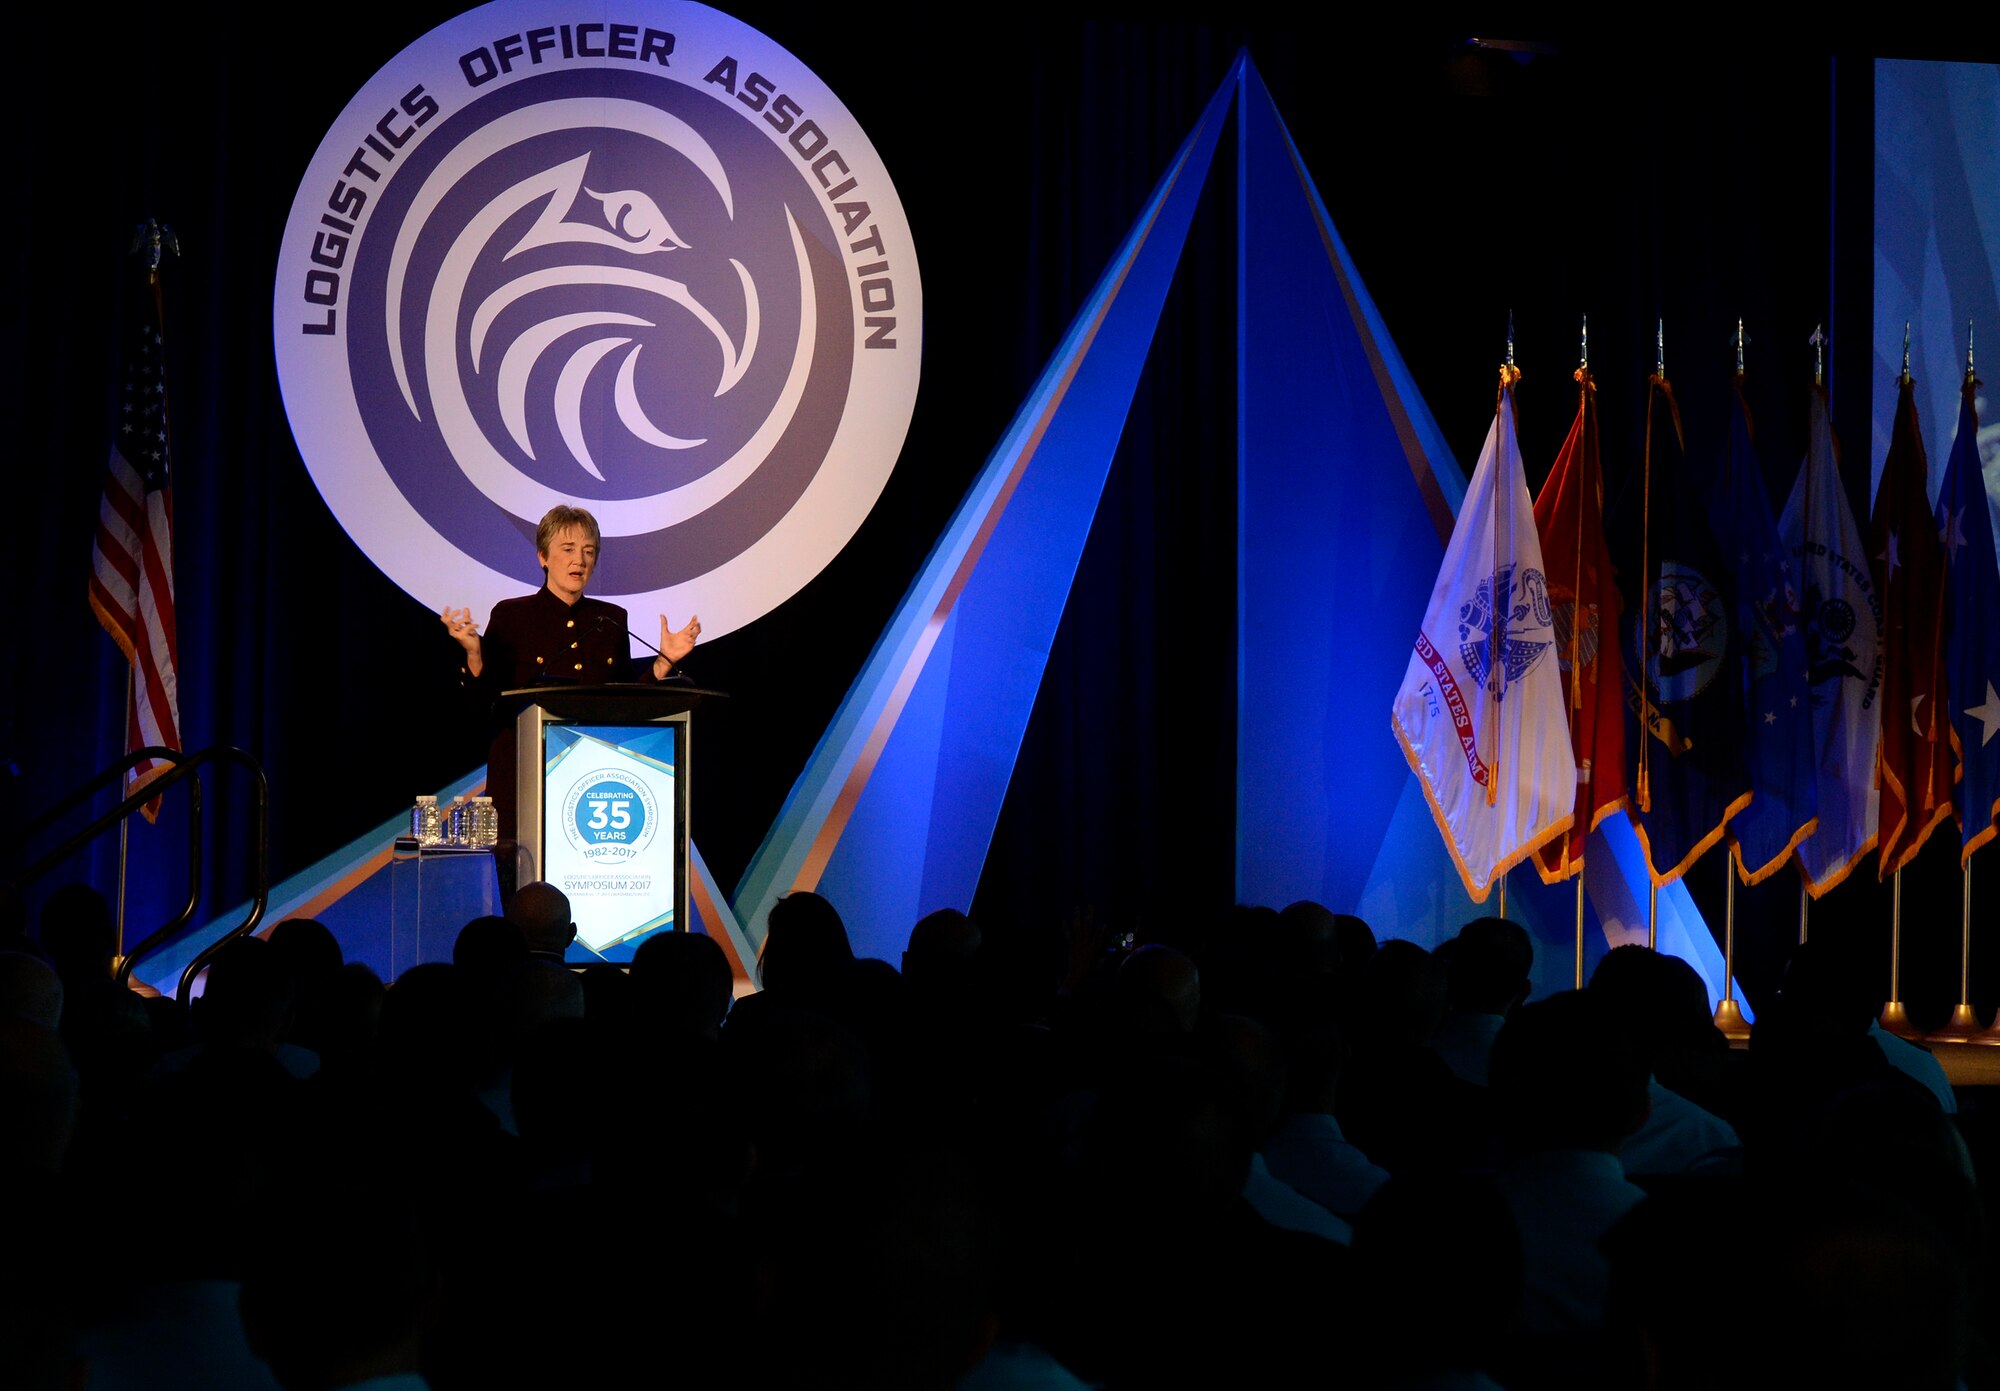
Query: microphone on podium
605, 620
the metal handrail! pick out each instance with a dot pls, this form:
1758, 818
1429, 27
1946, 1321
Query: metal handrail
184, 769
104, 778
154, 788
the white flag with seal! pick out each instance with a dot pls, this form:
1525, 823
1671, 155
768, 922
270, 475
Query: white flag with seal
1480, 712
1842, 615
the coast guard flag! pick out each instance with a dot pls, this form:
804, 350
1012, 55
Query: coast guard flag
1569, 517
1843, 621
1684, 726
132, 555
1913, 770
1480, 714
1769, 661
1972, 644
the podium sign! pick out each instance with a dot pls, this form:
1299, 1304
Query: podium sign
602, 798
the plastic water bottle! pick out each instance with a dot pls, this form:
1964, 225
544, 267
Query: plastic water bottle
456, 827
485, 822
426, 825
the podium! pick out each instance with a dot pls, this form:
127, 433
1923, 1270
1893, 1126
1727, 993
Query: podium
601, 797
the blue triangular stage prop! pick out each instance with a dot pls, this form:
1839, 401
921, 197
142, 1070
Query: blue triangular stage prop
896, 807
1347, 495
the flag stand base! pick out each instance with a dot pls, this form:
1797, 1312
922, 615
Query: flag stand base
1896, 1020
1963, 1026
1729, 1019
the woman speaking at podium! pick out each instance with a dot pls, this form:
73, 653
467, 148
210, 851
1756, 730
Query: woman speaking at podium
554, 635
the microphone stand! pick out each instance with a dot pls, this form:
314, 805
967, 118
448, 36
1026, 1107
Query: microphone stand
674, 673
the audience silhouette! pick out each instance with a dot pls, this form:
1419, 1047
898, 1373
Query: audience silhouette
1261, 1149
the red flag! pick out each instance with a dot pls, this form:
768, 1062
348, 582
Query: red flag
1569, 515
132, 557
1913, 768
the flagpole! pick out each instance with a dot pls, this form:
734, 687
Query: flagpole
151, 238
1576, 619
1503, 895
1576, 582
1653, 917
1895, 1015
1648, 639
1579, 929
1502, 498
1728, 1015
124, 834
1964, 1020
1895, 1018
1805, 913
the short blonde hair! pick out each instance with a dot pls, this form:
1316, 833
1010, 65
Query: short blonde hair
562, 518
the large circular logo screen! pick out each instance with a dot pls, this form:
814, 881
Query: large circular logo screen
653, 269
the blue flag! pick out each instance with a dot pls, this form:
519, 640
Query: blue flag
1972, 627
1841, 609
1684, 744
1769, 661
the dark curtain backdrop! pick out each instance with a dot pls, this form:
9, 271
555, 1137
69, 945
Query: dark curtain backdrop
1684, 180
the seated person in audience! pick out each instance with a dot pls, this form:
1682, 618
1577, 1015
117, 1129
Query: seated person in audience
942, 950
1661, 999
340, 1294
1811, 1042
490, 946
1852, 1287
1398, 1101
1486, 977
1864, 979
30, 989
1568, 1088
38, 1103
1157, 993
806, 949
312, 954
542, 912
682, 984
1251, 1062
246, 1005
1413, 1328
1916, 1062
1308, 1150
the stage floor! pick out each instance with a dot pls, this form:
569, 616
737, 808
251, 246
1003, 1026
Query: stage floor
1969, 1064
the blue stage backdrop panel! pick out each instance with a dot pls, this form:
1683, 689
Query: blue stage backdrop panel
894, 811
1348, 491
1937, 242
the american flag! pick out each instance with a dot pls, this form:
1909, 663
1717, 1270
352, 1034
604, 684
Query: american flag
132, 558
